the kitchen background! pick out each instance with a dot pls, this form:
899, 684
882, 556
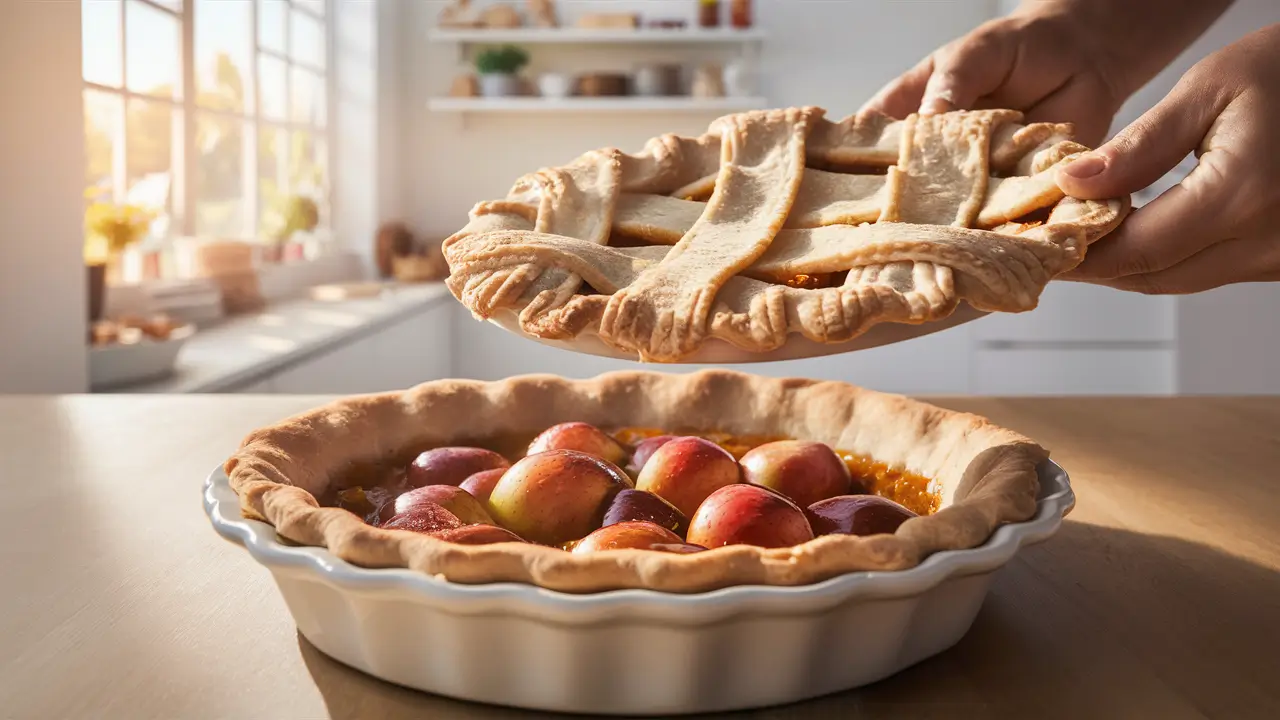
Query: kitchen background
234, 227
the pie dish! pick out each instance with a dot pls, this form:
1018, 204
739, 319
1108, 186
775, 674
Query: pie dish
779, 224
983, 476
632, 651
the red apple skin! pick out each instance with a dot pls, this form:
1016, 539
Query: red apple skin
804, 471
745, 514
425, 517
480, 485
556, 496
454, 499
686, 470
630, 505
636, 535
582, 437
452, 465
644, 450
857, 515
683, 548
478, 535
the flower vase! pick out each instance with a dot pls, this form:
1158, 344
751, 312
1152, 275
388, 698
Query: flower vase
97, 276
272, 252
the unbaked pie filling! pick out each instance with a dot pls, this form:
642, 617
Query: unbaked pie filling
713, 487
475, 482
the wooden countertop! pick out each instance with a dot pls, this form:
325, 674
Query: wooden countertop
1159, 598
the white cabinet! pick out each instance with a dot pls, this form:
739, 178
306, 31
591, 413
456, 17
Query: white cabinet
414, 350
393, 357
1073, 371
936, 364
265, 386
1081, 340
1077, 312
346, 369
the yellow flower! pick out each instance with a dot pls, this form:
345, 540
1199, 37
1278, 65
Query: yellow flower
118, 226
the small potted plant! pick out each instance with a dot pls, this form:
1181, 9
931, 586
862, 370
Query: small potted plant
498, 68
294, 214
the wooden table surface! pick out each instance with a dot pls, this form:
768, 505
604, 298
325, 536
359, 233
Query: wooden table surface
1159, 598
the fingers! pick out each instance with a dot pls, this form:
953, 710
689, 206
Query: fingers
1066, 103
1148, 148
901, 96
1231, 261
973, 66
1168, 230
953, 78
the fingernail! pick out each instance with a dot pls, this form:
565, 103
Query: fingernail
1086, 166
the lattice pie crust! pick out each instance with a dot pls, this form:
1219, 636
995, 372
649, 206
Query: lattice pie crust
732, 235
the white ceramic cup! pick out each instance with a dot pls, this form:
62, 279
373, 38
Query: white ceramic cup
555, 85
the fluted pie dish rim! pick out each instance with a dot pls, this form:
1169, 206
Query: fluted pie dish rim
987, 474
1056, 500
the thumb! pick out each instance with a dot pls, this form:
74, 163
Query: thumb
1144, 151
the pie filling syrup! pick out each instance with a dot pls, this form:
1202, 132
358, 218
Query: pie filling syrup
584, 490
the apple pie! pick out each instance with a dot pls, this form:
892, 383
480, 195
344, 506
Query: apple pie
675, 483
780, 222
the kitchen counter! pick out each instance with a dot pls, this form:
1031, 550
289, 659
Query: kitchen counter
1158, 598
244, 349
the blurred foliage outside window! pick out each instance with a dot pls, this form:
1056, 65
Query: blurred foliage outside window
265, 84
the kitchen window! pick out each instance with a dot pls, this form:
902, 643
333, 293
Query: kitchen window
208, 113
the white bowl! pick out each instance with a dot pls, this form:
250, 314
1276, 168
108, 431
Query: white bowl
634, 652
555, 85
120, 364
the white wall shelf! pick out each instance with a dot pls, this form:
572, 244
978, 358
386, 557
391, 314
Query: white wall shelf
585, 36
594, 104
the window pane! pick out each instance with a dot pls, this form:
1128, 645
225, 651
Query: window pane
272, 16
152, 50
272, 144
100, 30
102, 136
306, 39
271, 86
315, 6
171, 4
306, 165
307, 104
220, 191
150, 135
321, 192
224, 49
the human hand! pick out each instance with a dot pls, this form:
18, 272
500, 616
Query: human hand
1221, 224
1055, 60
1048, 63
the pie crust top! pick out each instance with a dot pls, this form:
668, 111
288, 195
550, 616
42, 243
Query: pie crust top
986, 474
779, 222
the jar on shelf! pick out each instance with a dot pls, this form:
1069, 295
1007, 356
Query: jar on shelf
740, 14
709, 13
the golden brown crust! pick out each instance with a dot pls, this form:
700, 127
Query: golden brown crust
987, 473
937, 228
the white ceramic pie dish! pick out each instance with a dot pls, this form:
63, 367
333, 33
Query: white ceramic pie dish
715, 351
633, 652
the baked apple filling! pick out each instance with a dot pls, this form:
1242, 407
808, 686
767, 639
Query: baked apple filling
584, 490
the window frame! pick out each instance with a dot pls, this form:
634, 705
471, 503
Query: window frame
186, 111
